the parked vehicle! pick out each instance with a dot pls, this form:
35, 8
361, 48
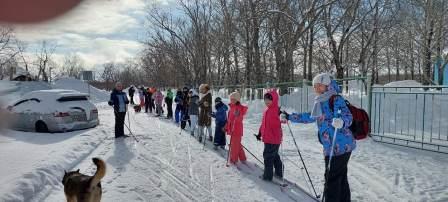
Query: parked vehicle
55, 110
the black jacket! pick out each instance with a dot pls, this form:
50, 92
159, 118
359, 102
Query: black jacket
114, 101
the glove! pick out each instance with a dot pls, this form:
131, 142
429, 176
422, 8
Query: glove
284, 116
212, 114
258, 136
337, 123
110, 103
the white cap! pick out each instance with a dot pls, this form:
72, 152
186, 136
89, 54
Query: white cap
323, 78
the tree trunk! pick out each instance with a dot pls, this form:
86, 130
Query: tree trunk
310, 54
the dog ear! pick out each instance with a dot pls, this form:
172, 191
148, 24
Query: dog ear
77, 171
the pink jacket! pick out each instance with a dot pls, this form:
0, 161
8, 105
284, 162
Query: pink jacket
271, 129
235, 117
158, 98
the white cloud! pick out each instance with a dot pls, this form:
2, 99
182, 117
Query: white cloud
98, 31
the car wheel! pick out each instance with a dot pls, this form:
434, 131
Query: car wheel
41, 127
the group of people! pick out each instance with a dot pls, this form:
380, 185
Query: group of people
196, 109
151, 99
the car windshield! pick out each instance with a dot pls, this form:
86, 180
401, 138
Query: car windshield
72, 98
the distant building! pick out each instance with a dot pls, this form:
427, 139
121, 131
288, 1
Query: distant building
87, 75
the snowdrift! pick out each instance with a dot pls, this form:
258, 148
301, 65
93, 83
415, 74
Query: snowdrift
96, 95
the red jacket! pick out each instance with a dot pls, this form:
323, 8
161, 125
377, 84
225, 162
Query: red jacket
235, 117
271, 129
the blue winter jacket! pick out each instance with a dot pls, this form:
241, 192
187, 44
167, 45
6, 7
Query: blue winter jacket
221, 114
344, 140
119, 100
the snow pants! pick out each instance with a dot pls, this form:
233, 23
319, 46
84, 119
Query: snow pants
337, 187
272, 160
220, 135
236, 150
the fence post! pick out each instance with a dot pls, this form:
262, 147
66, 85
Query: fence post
369, 94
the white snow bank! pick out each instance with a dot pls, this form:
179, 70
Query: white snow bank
10, 91
403, 83
96, 95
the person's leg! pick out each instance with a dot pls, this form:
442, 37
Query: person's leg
241, 154
194, 120
278, 165
131, 97
146, 107
217, 139
177, 114
117, 120
235, 147
268, 156
334, 178
210, 135
170, 109
121, 123
200, 133
345, 187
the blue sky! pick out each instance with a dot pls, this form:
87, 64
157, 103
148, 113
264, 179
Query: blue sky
98, 31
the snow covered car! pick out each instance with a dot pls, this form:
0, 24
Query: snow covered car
54, 110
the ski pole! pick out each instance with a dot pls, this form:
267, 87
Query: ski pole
130, 132
252, 154
303, 162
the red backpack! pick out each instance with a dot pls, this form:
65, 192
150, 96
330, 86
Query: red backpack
361, 122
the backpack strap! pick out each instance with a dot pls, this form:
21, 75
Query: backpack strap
331, 101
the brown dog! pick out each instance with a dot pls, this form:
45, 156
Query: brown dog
83, 188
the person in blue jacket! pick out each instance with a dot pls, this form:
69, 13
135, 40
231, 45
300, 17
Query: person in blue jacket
178, 100
119, 100
337, 147
220, 122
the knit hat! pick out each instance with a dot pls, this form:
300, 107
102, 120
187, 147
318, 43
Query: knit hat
235, 95
323, 78
218, 99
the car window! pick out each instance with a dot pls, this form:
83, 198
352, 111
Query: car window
72, 98
26, 100
20, 102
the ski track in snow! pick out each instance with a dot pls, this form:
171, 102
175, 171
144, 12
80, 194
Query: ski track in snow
164, 169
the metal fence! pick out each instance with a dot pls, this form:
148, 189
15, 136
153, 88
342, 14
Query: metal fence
411, 116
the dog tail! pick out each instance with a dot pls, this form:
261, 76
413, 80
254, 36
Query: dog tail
100, 171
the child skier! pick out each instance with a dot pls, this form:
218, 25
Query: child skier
234, 128
185, 117
220, 122
179, 101
271, 134
205, 120
141, 94
193, 110
169, 103
337, 150
158, 98
148, 100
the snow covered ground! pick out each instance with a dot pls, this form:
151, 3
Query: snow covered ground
167, 165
